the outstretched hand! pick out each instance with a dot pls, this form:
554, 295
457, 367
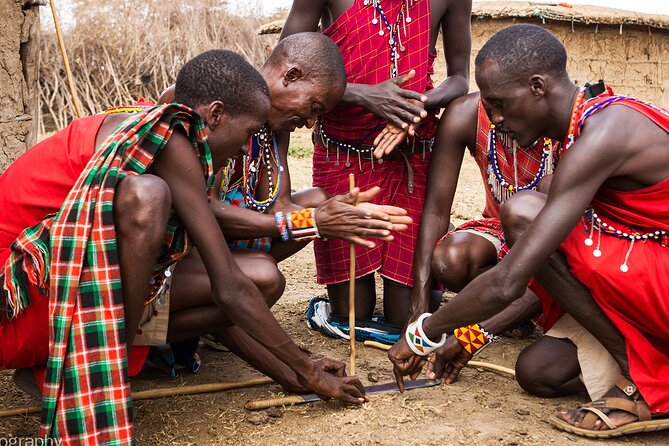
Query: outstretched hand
447, 361
326, 385
389, 138
392, 135
405, 362
392, 103
332, 366
339, 218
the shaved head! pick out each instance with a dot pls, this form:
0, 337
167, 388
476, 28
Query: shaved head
523, 50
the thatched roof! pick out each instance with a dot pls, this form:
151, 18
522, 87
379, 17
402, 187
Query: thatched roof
577, 14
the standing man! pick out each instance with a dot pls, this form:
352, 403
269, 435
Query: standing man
385, 44
598, 243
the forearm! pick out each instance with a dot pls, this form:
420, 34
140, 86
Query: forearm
442, 95
242, 223
246, 308
519, 310
484, 297
433, 225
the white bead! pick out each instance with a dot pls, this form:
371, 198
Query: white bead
588, 242
597, 253
375, 21
624, 268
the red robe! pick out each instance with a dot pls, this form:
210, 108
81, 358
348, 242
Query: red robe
636, 301
367, 56
34, 186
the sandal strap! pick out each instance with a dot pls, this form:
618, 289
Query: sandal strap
639, 409
628, 387
615, 403
589, 419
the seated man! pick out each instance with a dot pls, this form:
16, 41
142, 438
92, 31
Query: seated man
597, 243
462, 254
84, 242
305, 74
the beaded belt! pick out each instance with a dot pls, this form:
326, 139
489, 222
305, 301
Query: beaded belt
594, 225
366, 151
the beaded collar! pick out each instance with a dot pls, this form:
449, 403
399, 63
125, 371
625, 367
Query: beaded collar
264, 152
501, 188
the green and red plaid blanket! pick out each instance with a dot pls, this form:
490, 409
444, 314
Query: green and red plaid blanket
75, 256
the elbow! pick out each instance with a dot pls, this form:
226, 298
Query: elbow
505, 289
232, 290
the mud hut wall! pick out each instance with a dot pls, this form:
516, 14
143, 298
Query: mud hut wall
634, 62
19, 45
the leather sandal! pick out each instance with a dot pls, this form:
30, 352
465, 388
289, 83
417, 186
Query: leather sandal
600, 409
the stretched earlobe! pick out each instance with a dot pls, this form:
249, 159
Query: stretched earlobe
293, 74
538, 85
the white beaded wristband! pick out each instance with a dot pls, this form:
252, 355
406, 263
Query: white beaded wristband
418, 342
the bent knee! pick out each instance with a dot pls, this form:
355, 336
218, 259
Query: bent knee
520, 210
142, 200
460, 258
267, 277
534, 375
450, 267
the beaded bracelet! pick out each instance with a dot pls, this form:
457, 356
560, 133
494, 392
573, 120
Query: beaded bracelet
302, 224
281, 225
418, 341
473, 337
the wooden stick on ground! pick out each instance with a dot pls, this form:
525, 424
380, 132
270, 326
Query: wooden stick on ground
351, 290
474, 364
159, 393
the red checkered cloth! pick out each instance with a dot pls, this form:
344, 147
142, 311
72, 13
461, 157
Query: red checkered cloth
528, 164
393, 259
367, 58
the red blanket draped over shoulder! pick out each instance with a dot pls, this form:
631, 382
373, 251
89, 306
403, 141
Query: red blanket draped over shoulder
636, 301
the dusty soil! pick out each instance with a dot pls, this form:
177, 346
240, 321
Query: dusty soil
482, 408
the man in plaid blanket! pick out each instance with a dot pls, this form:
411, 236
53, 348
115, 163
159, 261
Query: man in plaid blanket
86, 235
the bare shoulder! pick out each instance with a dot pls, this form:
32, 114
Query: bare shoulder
462, 112
451, 7
627, 138
457, 125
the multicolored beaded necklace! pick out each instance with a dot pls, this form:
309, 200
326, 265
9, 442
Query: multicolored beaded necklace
502, 189
261, 154
393, 30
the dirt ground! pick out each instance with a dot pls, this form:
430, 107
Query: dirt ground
482, 408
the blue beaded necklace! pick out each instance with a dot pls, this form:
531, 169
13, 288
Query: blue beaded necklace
502, 189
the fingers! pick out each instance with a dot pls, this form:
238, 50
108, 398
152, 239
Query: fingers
399, 80
368, 195
361, 241
397, 214
435, 367
355, 382
399, 379
454, 371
